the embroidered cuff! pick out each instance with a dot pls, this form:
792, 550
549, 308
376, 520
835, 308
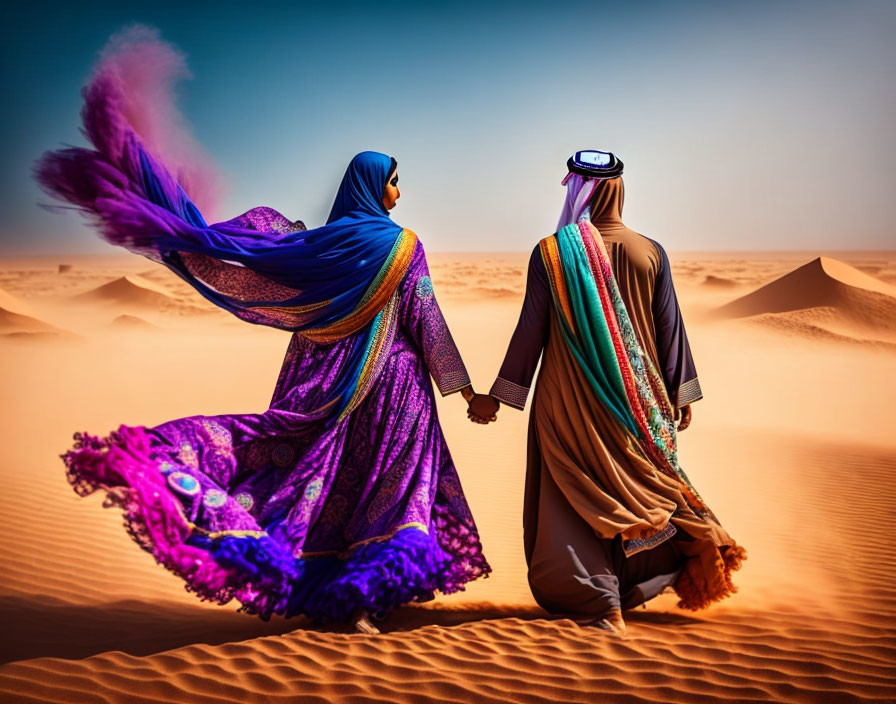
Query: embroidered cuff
510, 393
452, 381
688, 392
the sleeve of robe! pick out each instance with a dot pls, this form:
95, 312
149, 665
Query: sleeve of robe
423, 319
528, 341
672, 346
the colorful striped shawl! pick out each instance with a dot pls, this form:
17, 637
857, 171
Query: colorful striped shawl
371, 303
599, 333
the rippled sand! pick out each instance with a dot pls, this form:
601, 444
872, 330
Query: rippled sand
792, 446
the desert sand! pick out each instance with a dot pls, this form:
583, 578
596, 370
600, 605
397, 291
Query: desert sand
793, 447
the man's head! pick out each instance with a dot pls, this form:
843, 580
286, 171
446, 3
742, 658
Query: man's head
589, 171
594, 163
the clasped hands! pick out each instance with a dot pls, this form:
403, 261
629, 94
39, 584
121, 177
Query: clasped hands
481, 408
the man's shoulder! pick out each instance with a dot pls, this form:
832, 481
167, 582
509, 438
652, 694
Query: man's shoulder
642, 251
536, 256
545, 244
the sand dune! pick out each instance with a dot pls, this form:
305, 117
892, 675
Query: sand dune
805, 484
823, 282
11, 323
18, 319
719, 282
130, 290
13, 305
822, 296
820, 324
162, 297
492, 292
132, 322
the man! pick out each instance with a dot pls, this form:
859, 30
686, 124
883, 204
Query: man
610, 519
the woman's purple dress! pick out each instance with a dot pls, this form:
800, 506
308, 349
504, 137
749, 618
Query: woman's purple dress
292, 514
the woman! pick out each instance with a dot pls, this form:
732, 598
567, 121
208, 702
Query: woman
610, 519
341, 500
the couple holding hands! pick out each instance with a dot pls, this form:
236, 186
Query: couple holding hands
341, 501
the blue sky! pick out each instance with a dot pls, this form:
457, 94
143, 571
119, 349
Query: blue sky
762, 125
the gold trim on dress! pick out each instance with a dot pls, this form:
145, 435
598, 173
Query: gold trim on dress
375, 297
353, 546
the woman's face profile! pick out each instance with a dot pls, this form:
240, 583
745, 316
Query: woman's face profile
391, 194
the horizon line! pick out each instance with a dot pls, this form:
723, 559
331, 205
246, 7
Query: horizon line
484, 252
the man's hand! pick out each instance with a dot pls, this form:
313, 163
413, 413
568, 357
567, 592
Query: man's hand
683, 416
483, 409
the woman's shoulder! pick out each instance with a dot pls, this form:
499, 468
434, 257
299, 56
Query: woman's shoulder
416, 267
418, 252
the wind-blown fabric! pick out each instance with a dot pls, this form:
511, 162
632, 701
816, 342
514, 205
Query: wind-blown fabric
137, 203
291, 515
327, 283
340, 498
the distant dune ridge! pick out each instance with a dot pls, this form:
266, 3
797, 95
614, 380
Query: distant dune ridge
16, 317
488, 277
132, 322
719, 282
128, 290
13, 305
825, 292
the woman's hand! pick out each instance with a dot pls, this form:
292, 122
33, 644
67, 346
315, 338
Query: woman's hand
483, 409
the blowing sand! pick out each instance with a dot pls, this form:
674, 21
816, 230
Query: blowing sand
793, 448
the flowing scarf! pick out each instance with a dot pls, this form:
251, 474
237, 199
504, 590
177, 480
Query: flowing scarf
327, 283
599, 333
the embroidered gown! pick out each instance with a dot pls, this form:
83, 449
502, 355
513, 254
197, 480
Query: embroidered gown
342, 496
290, 515
588, 487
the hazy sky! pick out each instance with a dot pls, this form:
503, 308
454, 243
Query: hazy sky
742, 125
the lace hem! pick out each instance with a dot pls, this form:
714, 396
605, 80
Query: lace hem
377, 576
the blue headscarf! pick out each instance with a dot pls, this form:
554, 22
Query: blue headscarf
328, 283
335, 263
265, 273
361, 190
